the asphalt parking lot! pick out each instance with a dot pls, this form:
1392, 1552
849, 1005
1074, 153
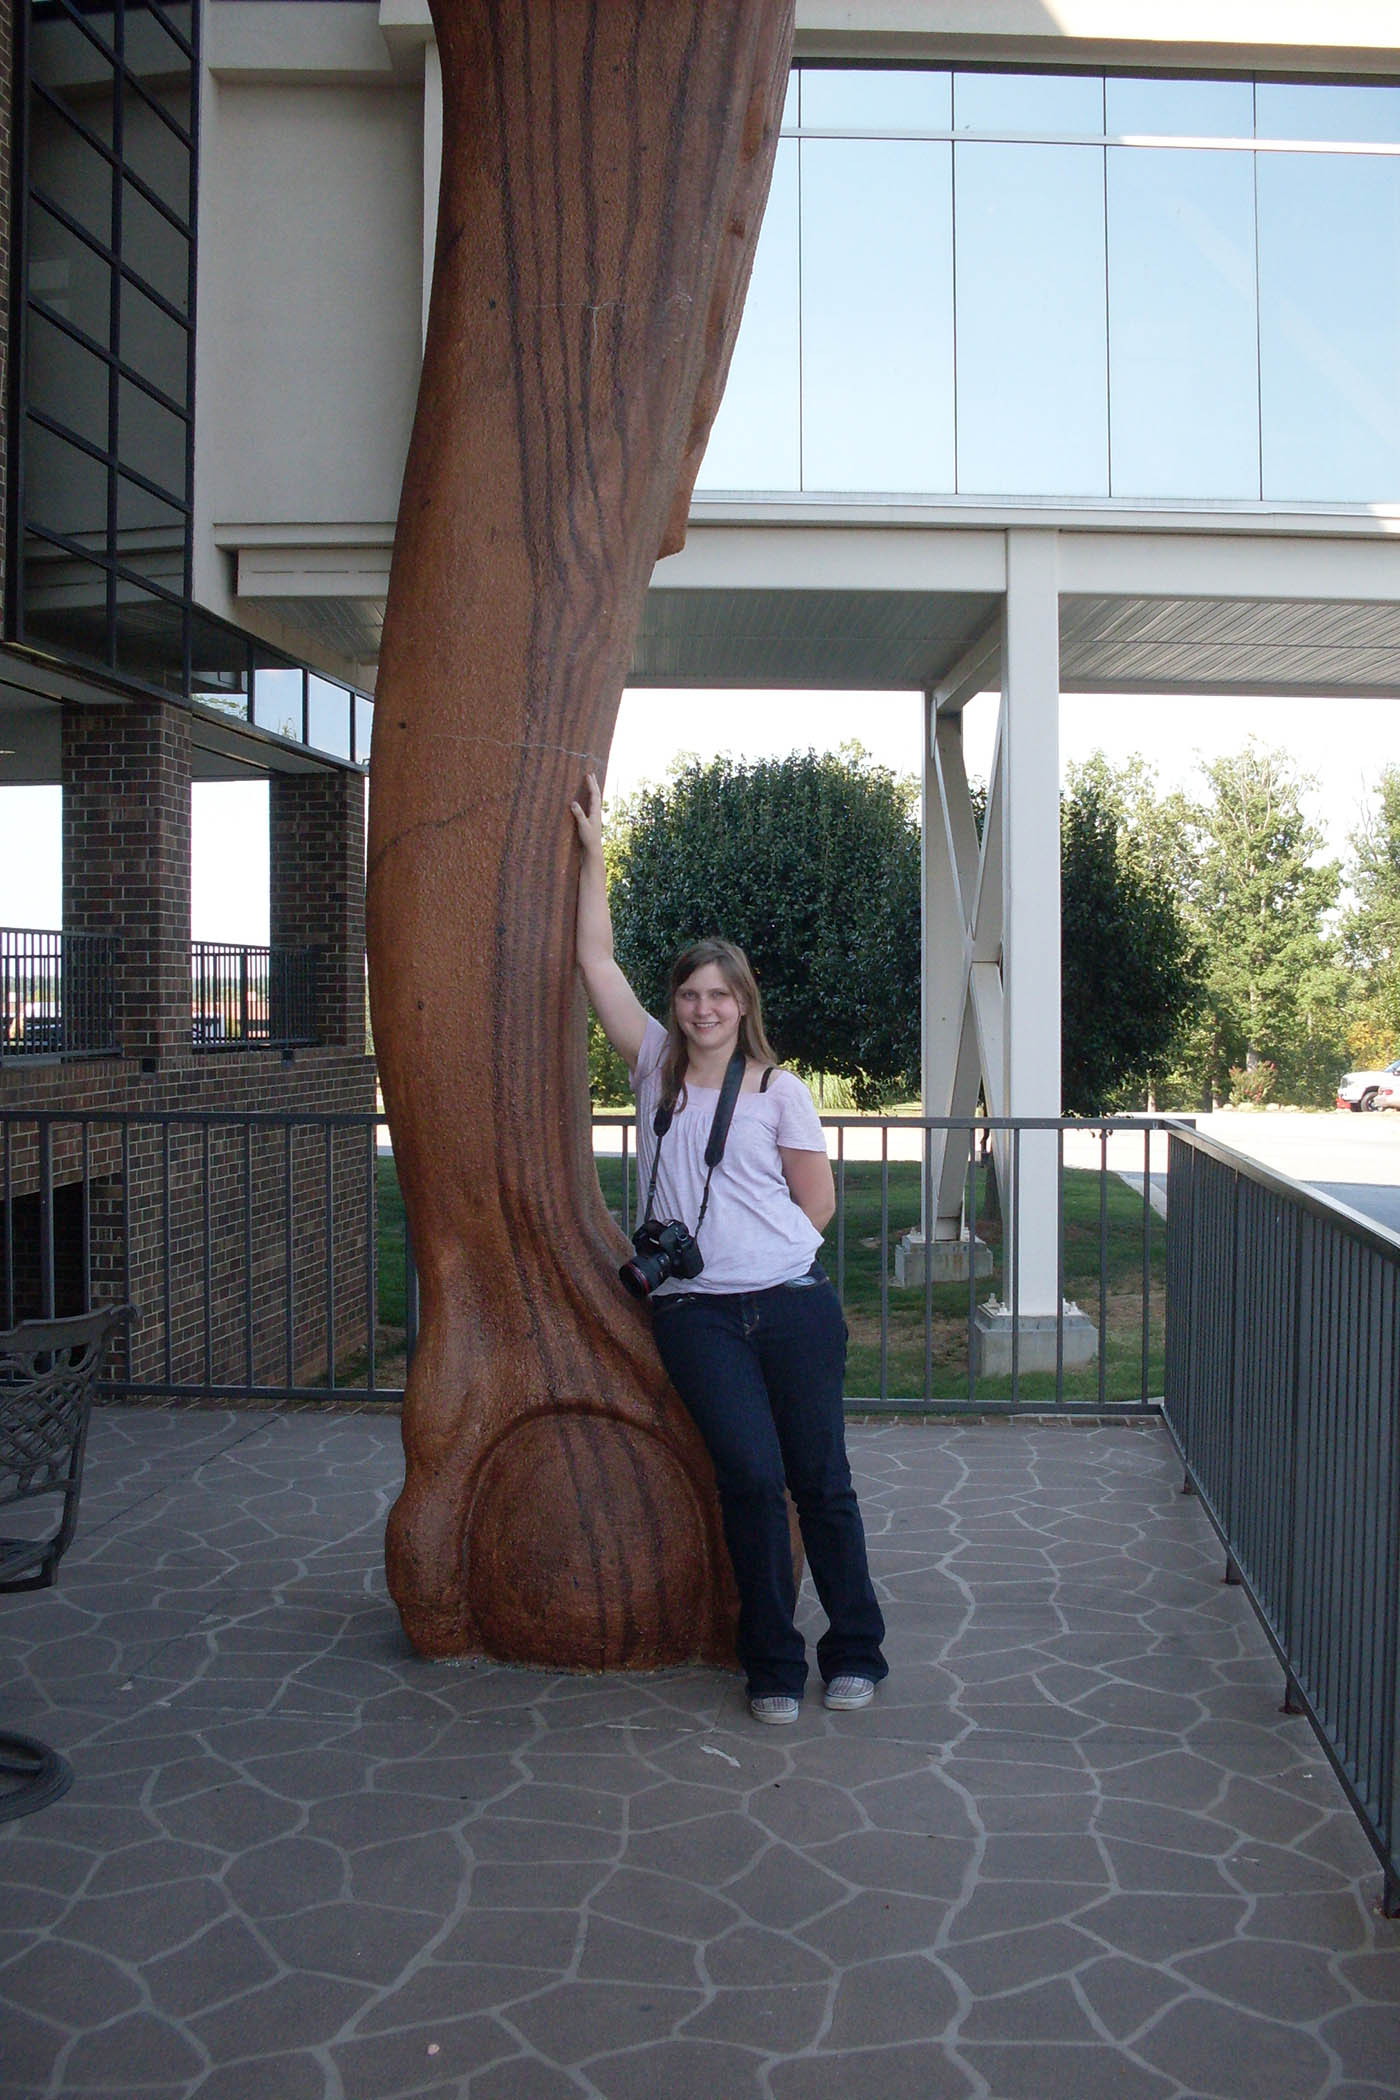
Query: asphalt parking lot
1353, 1158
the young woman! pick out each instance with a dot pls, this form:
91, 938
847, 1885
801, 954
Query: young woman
754, 1343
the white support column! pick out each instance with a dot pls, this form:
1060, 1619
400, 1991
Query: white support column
432, 163
1030, 775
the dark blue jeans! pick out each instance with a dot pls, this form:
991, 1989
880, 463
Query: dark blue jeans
761, 1374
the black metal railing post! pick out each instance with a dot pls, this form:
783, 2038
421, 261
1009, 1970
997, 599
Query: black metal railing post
58, 994
253, 998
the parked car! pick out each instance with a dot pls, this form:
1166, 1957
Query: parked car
1363, 1090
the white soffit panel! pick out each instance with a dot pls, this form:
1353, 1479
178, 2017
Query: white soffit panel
1227, 645
843, 640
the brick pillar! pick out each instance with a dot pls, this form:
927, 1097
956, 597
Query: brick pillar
316, 854
6, 71
126, 860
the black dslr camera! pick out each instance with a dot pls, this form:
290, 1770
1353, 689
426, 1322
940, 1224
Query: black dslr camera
663, 1248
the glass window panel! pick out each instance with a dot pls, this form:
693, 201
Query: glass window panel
1183, 385
218, 666
155, 249
179, 16
150, 638
65, 167
66, 59
364, 727
150, 438
162, 161
877, 315
837, 98
65, 602
1180, 109
67, 382
277, 700
792, 101
65, 488
1329, 326
755, 442
150, 51
1053, 102
153, 344
327, 716
151, 536
1305, 109
67, 276
1031, 326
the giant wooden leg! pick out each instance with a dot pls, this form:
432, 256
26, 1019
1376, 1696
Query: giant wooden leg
605, 164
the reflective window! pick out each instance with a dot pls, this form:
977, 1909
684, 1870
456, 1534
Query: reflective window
70, 171
67, 608
67, 488
1183, 366
838, 98
277, 700
877, 315
327, 716
1369, 116
1329, 325
157, 251
152, 440
364, 728
218, 666
1179, 109
69, 279
149, 638
1050, 102
152, 150
154, 343
1031, 326
756, 440
66, 381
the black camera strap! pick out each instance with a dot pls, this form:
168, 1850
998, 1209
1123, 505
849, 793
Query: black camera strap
719, 1135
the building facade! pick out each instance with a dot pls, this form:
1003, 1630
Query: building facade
1071, 363
125, 678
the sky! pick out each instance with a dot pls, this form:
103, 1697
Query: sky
1344, 743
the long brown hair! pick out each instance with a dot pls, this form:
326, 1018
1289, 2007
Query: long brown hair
733, 965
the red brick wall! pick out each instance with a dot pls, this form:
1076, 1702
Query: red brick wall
126, 860
157, 1219
6, 90
316, 866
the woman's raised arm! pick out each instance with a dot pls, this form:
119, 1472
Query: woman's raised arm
617, 1006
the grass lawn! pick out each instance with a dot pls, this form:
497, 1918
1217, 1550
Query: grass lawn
938, 1371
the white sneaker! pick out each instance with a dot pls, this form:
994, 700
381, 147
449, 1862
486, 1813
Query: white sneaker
844, 1694
776, 1708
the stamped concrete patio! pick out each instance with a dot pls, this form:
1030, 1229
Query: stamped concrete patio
1075, 1850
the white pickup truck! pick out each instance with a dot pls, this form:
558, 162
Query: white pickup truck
1358, 1090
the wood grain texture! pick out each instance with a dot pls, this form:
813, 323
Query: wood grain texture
605, 165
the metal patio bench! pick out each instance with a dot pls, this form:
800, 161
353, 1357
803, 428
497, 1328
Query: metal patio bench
48, 1375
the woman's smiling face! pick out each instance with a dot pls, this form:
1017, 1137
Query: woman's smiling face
708, 1011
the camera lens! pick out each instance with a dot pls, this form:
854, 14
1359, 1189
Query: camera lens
642, 1274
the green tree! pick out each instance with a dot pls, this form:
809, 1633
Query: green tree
1274, 985
1131, 974
811, 864
1371, 928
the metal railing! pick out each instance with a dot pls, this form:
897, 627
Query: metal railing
253, 998
269, 1260
1084, 1332
220, 1225
1283, 1396
58, 993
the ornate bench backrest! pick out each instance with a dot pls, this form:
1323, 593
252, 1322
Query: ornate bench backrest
48, 1374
